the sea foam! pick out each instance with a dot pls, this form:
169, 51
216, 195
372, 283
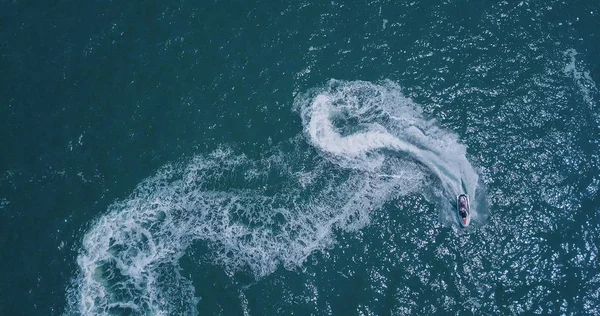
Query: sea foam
360, 124
364, 144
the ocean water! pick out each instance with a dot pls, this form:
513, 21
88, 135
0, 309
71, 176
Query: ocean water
299, 157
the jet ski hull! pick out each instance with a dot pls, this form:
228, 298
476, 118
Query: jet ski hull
464, 220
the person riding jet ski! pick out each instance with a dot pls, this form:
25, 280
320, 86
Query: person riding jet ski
463, 210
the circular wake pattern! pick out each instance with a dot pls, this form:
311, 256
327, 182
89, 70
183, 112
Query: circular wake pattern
258, 214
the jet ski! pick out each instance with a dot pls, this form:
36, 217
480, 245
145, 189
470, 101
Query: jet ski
464, 209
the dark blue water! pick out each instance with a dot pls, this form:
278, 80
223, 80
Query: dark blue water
299, 157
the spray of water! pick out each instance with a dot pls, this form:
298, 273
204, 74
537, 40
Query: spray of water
358, 124
364, 144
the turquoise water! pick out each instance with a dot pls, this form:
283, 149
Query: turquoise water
299, 158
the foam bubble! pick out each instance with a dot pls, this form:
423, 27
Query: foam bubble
584, 81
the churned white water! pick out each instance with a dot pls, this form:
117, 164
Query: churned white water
357, 124
364, 145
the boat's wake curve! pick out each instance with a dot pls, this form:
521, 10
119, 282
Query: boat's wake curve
356, 124
259, 214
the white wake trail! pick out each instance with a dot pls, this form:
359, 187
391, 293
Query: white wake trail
353, 123
257, 215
